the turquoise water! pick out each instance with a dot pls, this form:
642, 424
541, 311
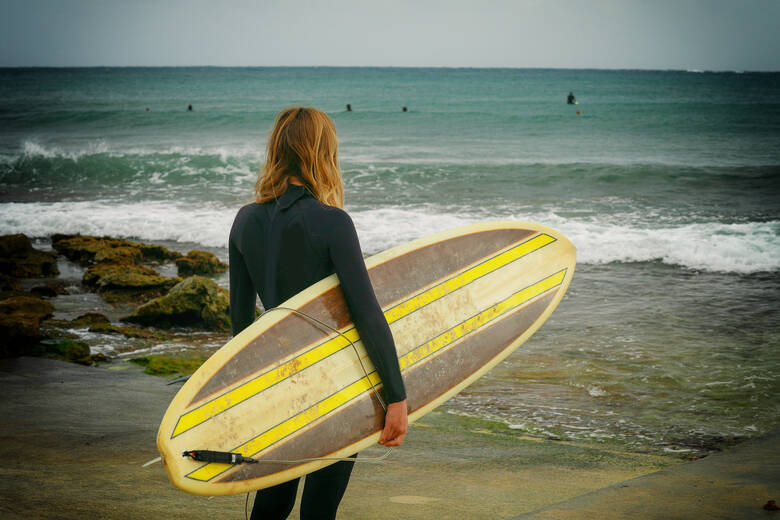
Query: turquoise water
667, 183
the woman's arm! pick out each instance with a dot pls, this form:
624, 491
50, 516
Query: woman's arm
242, 291
344, 249
369, 320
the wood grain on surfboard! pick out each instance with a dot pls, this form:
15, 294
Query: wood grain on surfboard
287, 389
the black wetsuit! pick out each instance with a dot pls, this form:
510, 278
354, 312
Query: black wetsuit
277, 249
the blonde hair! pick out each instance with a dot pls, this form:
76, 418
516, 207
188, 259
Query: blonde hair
302, 145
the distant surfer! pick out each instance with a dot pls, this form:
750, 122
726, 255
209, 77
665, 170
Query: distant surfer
404, 109
570, 100
295, 234
189, 108
349, 107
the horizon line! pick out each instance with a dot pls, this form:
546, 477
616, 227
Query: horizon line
618, 69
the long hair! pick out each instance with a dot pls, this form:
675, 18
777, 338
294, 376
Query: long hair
302, 145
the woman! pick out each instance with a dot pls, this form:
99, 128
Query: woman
295, 234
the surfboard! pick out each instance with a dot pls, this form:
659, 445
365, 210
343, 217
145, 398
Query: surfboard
287, 390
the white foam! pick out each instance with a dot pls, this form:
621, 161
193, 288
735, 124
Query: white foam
380, 229
708, 246
32, 148
35, 149
204, 224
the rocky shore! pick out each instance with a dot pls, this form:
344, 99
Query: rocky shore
147, 307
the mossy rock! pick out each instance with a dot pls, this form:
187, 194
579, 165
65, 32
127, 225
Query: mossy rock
50, 289
200, 262
20, 324
89, 319
119, 255
87, 250
68, 349
126, 282
128, 331
195, 302
100, 358
26, 305
19, 259
166, 365
156, 253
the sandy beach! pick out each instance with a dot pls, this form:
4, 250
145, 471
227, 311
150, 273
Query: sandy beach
75, 438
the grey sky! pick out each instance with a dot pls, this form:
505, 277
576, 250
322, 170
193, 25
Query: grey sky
644, 34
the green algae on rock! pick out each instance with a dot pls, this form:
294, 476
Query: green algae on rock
128, 331
18, 258
165, 365
200, 262
195, 302
127, 282
20, 321
68, 349
88, 320
86, 250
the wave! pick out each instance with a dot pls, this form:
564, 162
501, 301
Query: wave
204, 223
707, 246
396, 152
30, 149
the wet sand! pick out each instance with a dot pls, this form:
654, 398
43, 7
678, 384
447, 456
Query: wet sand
74, 440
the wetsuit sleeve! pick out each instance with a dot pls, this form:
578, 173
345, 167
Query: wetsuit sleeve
344, 249
242, 292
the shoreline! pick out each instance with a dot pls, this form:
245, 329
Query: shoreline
76, 438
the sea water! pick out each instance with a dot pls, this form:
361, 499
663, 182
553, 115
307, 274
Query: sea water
668, 183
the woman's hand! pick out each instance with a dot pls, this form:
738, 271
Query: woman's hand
396, 423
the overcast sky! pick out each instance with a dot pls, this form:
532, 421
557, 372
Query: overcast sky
641, 34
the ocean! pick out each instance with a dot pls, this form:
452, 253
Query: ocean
668, 183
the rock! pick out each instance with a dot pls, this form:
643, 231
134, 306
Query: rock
68, 349
87, 250
128, 331
20, 319
156, 253
28, 305
9, 283
200, 262
119, 255
195, 302
50, 289
100, 358
88, 320
166, 365
18, 258
126, 282
10, 286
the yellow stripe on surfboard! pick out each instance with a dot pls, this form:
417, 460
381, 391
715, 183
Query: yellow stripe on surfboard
253, 387
372, 380
475, 322
324, 407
